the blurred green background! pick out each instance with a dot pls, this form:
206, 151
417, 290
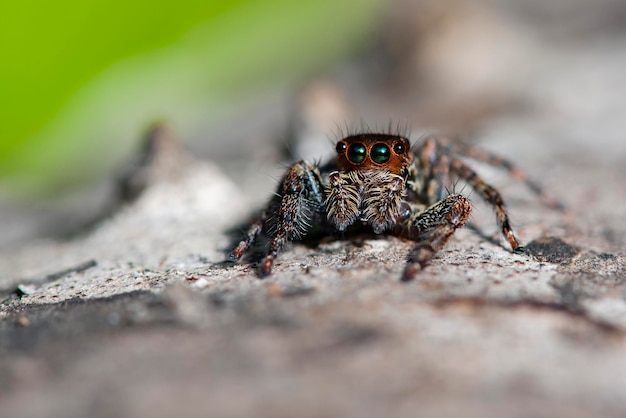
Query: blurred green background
81, 81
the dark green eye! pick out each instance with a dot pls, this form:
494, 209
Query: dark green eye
341, 147
356, 153
380, 153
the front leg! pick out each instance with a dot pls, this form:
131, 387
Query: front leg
298, 203
431, 229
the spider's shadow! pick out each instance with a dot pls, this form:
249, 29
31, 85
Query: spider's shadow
489, 238
356, 235
324, 234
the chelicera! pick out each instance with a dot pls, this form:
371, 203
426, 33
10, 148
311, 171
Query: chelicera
378, 181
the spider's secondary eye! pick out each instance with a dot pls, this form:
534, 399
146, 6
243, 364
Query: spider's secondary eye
356, 153
399, 148
380, 153
341, 147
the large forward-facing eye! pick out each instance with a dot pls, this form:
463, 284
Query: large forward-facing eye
380, 153
357, 153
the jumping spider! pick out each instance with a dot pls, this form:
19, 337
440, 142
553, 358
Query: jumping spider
380, 182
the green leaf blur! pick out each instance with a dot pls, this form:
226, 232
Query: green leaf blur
80, 81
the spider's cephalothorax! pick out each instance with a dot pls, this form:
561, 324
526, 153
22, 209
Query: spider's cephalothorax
378, 181
370, 183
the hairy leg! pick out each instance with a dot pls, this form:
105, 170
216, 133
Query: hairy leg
433, 170
437, 164
492, 196
343, 199
382, 198
250, 237
479, 154
290, 214
431, 229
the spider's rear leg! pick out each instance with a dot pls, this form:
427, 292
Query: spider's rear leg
434, 169
431, 229
298, 203
479, 154
492, 196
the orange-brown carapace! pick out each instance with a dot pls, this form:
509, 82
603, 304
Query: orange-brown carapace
374, 152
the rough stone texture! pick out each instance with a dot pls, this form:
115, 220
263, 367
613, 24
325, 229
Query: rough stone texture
138, 316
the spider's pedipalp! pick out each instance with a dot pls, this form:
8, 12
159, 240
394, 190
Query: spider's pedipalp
374, 197
383, 201
343, 199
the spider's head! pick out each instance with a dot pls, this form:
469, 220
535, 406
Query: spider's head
374, 152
